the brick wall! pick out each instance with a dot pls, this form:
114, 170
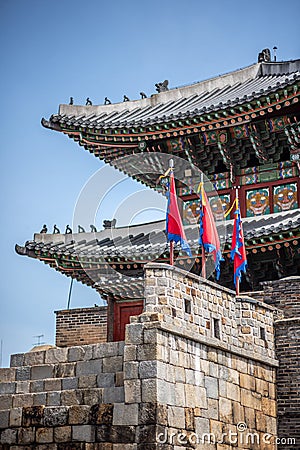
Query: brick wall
81, 326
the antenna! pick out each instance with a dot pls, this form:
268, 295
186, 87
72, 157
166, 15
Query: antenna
39, 336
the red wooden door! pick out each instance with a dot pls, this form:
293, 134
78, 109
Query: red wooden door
122, 313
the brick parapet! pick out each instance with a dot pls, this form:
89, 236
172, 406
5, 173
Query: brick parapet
81, 326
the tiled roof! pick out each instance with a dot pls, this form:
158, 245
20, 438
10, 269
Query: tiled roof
149, 239
219, 93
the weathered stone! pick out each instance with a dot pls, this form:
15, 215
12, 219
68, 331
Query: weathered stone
63, 370
17, 360
15, 417
83, 433
26, 435
55, 416
39, 399
7, 388
36, 386
92, 396
79, 414
69, 383
225, 410
56, 355
52, 385
62, 434
34, 358
71, 397
44, 435
87, 381
105, 380
33, 416
119, 379
5, 401
4, 419
113, 364
189, 419
148, 433
22, 387
7, 374
125, 414
23, 373
113, 395
101, 414
211, 386
22, 400
93, 367
134, 334
42, 372
176, 417
132, 391
122, 433
53, 398
8, 436
84, 353
149, 390
148, 369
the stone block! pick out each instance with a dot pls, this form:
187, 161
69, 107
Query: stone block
15, 417
247, 382
148, 369
69, 383
134, 334
55, 416
17, 360
79, 353
22, 400
105, 380
202, 426
122, 434
106, 349
4, 418
132, 391
42, 372
36, 386
113, 364
79, 414
251, 399
63, 370
233, 392
212, 387
147, 352
44, 435
8, 436
62, 434
125, 414
56, 355
131, 370
54, 398
22, 387
113, 395
23, 373
83, 433
71, 397
7, 374
7, 388
250, 417
238, 412
5, 401
93, 367
130, 353
26, 435
53, 384
149, 390
92, 396
268, 406
39, 399
34, 358
119, 379
101, 414
179, 394
33, 416
87, 381
176, 417
225, 410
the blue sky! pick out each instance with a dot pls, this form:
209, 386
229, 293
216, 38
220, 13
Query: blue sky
53, 50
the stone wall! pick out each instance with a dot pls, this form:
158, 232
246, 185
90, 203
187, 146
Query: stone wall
195, 371
81, 326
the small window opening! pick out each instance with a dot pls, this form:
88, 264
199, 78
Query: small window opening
187, 306
262, 333
217, 328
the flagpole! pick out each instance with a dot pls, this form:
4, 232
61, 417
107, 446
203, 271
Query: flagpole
171, 166
203, 268
237, 285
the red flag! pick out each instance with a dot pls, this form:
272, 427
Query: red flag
175, 230
238, 249
209, 237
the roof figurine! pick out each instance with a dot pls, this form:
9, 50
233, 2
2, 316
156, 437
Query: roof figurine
107, 101
68, 230
109, 224
264, 55
126, 99
71, 102
56, 230
162, 87
81, 229
143, 95
93, 229
88, 102
44, 229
